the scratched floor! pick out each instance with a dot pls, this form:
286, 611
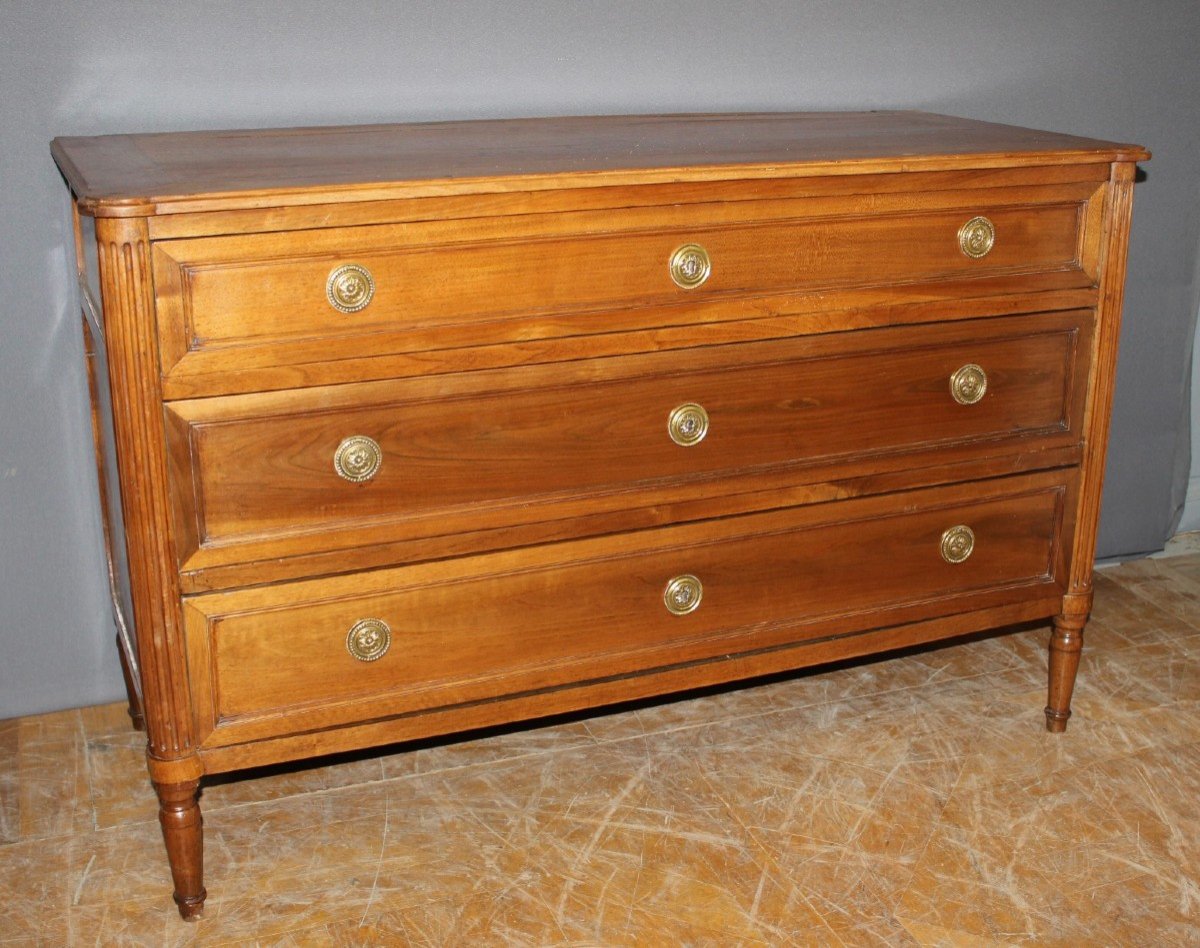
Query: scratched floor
909, 801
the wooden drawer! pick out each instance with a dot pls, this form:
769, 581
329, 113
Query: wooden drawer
276, 660
229, 303
256, 475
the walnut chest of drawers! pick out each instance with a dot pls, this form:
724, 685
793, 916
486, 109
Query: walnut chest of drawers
411, 429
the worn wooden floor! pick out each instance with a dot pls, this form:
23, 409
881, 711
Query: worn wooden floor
915, 800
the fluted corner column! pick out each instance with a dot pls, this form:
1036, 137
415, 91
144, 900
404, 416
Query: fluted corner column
135, 385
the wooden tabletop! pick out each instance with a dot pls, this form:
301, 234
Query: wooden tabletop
134, 175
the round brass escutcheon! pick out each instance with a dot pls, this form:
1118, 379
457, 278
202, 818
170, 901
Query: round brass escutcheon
958, 543
357, 458
976, 237
690, 266
368, 639
683, 595
349, 288
968, 384
688, 424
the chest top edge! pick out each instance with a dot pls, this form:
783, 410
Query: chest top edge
150, 174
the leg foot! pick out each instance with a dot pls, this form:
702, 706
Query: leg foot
1066, 642
1056, 721
182, 828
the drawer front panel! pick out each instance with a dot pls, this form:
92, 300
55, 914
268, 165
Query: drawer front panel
274, 291
552, 437
506, 623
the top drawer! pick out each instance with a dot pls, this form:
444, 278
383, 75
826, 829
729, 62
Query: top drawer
313, 296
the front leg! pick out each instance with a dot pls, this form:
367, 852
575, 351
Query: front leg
182, 828
1066, 643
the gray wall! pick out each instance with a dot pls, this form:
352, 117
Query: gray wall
1189, 521
1104, 68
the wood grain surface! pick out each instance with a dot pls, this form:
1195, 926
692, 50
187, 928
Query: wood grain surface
121, 174
472, 629
504, 448
517, 366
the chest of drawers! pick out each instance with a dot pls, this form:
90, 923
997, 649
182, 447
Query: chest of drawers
404, 430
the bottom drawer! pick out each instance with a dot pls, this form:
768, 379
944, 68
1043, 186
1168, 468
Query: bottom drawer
320, 653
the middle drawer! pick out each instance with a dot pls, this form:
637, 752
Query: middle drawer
314, 470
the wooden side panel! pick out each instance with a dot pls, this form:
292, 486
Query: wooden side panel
104, 444
110, 503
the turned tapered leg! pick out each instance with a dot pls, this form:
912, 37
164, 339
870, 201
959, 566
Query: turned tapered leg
182, 827
1066, 642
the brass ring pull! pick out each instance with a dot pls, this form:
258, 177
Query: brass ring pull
349, 288
977, 237
357, 458
690, 266
968, 384
368, 639
958, 543
688, 424
683, 595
